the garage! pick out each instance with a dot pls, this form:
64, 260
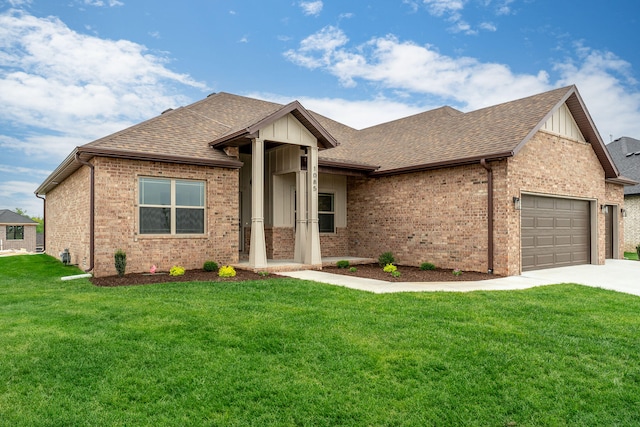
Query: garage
555, 232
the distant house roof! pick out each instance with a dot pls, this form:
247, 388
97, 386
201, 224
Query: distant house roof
12, 218
196, 134
625, 152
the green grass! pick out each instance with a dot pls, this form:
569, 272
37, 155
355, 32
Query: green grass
631, 255
286, 352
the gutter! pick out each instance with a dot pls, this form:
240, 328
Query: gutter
484, 164
44, 222
92, 197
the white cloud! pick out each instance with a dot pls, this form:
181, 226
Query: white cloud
604, 80
74, 86
101, 3
411, 67
312, 8
21, 194
442, 7
607, 87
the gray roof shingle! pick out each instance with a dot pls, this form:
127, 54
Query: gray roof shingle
10, 217
625, 152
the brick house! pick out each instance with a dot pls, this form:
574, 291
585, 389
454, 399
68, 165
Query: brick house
522, 185
625, 153
17, 231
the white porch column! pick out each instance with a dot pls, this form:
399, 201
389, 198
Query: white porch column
258, 248
301, 216
312, 253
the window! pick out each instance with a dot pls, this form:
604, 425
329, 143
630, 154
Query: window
171, 206
326, 214
15, 232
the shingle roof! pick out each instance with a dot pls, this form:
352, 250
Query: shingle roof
10, 217
435, 138
625, 152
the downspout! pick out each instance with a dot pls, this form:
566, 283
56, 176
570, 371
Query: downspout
44, 223
485, 165
92, 195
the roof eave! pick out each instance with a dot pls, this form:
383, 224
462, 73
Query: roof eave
621, 180
70, 164
444, 164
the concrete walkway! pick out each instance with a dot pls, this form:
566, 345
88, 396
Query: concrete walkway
617, 275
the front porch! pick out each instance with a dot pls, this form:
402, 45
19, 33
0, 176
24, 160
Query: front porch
279, 265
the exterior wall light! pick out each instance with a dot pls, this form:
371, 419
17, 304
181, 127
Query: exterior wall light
517, 204
604, 209
623, 212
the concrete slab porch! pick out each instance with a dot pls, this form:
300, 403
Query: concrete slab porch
287, 265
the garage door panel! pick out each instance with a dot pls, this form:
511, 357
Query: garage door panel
544, 222
554, 232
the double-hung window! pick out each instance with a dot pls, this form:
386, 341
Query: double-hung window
171, 206
326, 213
15, 232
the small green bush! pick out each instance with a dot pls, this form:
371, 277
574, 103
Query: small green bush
386, 258
210, 266
227, 271
353, 269
457, 272
389, 268
427, 266
395, 273
263, 273
343, 263
176, 270
120, 259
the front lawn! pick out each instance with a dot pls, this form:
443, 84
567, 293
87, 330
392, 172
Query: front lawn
631, 255
287, 352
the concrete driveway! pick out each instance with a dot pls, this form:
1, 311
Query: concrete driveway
617, 275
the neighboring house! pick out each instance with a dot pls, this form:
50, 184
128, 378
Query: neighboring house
625, 152
517, 186
17, 231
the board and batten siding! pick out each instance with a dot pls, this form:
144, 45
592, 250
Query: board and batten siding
562, 123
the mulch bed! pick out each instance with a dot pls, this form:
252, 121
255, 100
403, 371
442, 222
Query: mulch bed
371, 271
188, 276
410, 274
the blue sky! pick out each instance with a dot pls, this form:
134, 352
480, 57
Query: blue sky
72, 71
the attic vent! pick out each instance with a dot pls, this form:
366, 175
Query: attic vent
167, 110
211, 94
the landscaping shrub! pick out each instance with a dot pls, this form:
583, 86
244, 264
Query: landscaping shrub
353, 269
343, 263
176, 270
389, 268
210, 266
386, 258
227, 271
120, 258
395, 273
427, 266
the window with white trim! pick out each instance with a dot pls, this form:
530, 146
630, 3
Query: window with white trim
15, 232
171, 206
326, 213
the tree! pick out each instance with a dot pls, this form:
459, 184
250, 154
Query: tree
40, 221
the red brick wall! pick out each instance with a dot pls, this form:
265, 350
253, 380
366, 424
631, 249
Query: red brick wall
116, 192
335, 244
280, 242
116, 218
435, 216
440, 216
67, 219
